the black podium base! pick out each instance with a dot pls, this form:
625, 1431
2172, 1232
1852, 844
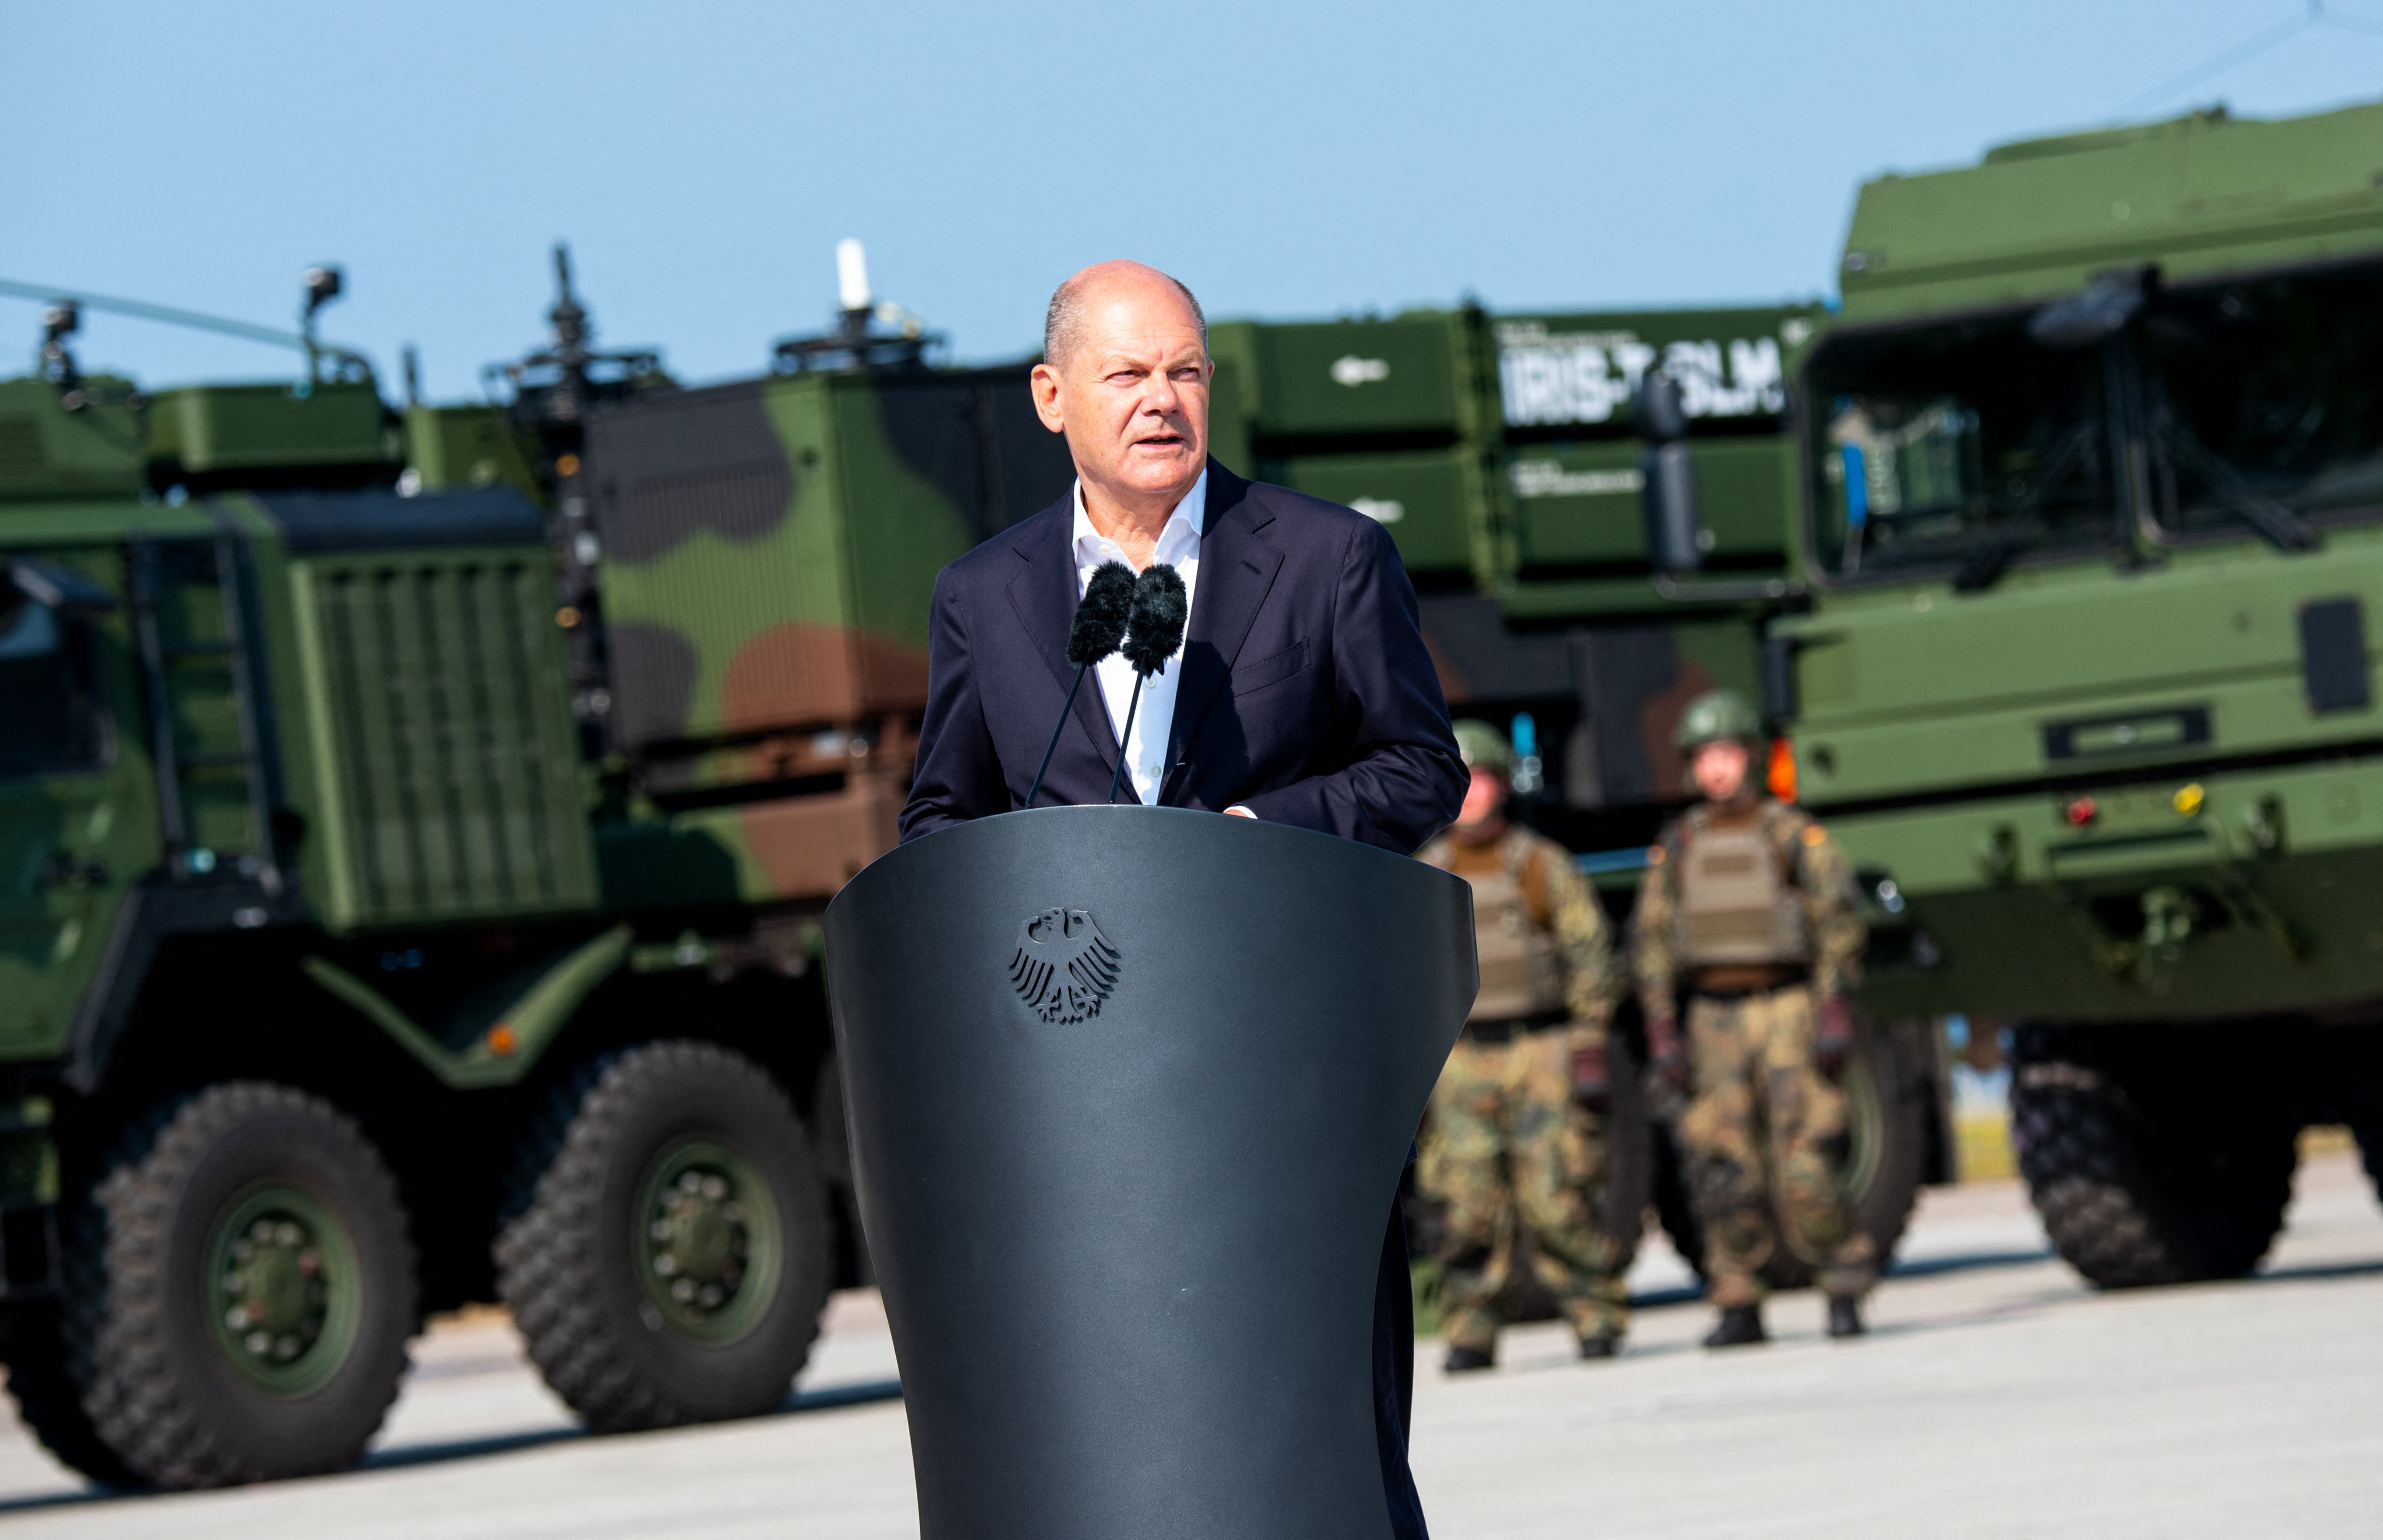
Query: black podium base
1130, 1090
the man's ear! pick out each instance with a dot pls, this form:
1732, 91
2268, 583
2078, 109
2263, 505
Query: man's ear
1044, 383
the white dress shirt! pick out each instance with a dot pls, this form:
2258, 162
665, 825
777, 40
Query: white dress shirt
1178, 546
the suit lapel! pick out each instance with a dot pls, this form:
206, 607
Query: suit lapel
1044, 596
1236, 569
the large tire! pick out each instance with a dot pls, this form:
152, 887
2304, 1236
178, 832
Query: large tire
2144, 1169
238, 1295
1887, 1114
670, 1148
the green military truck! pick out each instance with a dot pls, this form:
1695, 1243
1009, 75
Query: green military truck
2089, 494
369, 945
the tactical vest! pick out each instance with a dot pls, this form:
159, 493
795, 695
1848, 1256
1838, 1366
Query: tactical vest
1522, 968
1738, 904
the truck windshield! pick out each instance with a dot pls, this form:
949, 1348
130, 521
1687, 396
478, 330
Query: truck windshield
2250, 405
1954, 444
47, 719
2267, 389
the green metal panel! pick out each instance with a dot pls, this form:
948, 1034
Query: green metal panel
1921, 688
1575, 372
47, 452
2200, 195
902, 523
2282, 861
1428, 499
214, 429
467, 446
1572, 478
770, 547
1578, 504
1329, 378
1229, 417
445, 748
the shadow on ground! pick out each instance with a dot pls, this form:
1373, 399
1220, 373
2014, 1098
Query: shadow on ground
795, 1403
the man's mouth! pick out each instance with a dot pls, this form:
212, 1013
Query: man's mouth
1162, 440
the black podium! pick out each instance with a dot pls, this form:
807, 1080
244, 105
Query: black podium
1131, 1089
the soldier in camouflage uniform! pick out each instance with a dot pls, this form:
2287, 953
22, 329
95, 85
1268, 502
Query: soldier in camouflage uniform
1748, 911
1516, 1148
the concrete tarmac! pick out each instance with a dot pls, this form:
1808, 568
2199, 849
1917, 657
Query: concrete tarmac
1997, 1396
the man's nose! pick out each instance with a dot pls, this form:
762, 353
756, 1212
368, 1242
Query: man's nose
1160, 396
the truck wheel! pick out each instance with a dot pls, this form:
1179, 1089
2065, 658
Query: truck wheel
240, 1292
1886, 1154
668, 1257
2140, 1180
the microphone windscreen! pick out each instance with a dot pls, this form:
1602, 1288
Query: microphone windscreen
1100, 621
1155, 625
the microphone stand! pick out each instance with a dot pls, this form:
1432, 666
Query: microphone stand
1064, 712
1125, 739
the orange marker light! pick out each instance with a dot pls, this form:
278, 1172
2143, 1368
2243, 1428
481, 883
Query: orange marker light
501, 1038
1780, 774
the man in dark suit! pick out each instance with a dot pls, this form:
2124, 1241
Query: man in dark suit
1303, 695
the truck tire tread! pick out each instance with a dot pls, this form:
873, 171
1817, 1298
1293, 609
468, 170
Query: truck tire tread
550, 1250
2096, 1171
118, 1340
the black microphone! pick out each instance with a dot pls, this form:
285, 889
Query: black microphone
1154, 633
1097, 631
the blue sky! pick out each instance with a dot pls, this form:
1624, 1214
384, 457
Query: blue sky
1284, 158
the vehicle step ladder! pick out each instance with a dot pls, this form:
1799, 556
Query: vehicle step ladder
241, 652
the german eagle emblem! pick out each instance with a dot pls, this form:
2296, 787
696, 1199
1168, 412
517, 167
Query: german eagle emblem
1064, 967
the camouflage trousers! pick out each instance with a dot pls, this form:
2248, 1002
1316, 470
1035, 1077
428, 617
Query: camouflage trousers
1513, 1157
1765, 1140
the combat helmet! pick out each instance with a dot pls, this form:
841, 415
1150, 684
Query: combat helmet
1484, 747
1717, 715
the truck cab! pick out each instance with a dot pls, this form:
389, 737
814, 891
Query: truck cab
2090, 509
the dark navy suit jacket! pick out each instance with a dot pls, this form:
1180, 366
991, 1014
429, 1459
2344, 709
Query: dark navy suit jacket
1306, 695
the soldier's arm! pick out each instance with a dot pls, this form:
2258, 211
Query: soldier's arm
1650, 936
1838, 933
1559, 892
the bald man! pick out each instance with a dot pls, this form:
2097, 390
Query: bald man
1303, 694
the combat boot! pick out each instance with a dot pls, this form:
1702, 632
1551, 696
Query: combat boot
1739, 1325
1466, 1361
1603, 1345
1845, 1316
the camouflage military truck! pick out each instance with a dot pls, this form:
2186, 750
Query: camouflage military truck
1501, 452
2090, 509
369, 947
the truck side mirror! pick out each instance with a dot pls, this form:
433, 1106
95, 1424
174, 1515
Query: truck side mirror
1668, 496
